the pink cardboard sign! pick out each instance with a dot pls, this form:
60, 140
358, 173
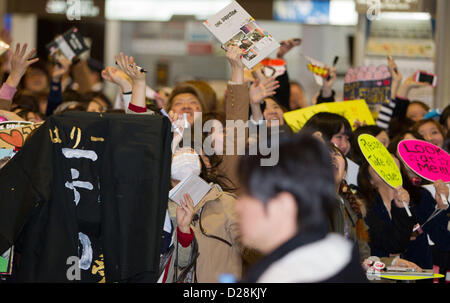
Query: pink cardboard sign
425, 159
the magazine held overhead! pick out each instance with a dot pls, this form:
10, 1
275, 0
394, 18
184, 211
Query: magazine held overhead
234, 26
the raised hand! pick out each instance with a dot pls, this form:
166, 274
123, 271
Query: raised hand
261, 90
327, 86
60, 69
357, 123
287, 45
393, 69
234, 56
19, 63
441, 191
396, 76
114, 75
138, 86
401, 196
129, 67
185, 213
409, 84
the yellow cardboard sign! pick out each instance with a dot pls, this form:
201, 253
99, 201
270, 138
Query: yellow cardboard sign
351, 110
380, 159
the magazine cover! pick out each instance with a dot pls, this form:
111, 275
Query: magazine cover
69, 45
233, 25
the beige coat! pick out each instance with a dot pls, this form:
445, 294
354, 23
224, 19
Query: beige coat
218, 217
236, 108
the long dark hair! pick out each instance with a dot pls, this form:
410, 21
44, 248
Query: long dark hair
444, 117
392, 148
346, 193
211, 173
443, 120
329, 124
365, 189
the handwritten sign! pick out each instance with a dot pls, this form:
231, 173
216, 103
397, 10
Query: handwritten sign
15, 137
425, 159
370, 83
380, 159
351, 110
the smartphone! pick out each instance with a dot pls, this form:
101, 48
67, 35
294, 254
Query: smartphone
426, 77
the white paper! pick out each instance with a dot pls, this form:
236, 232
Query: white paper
352, 172
193, 185
167, 224
65, 48
233, 25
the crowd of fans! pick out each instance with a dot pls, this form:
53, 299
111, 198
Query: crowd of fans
259, 223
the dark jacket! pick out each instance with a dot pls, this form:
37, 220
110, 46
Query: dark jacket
122, 214
283, 92
419, 251
388, 236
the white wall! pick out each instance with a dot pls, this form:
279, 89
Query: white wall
112, 48
24, 29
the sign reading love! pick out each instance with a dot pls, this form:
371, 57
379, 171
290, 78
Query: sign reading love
380, 159
425, 159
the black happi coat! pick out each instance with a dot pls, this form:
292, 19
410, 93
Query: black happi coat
121, 204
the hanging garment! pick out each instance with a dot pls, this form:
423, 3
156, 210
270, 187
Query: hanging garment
90, 186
